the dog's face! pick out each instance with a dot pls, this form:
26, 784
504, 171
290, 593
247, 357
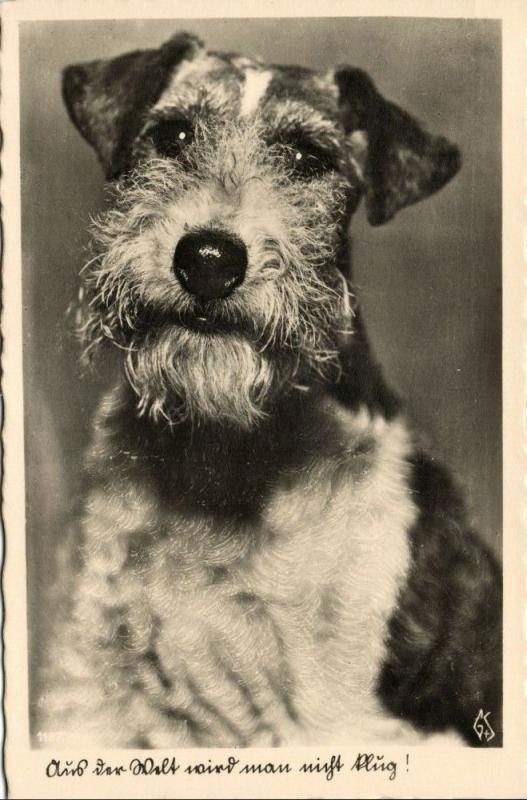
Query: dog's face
220, 267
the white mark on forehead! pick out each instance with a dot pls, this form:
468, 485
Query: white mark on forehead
256, 83
328, 83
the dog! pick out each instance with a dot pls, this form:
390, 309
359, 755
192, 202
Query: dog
265, 555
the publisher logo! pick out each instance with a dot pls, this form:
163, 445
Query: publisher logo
483, 727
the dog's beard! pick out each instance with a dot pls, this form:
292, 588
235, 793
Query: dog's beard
226, 376
179, 374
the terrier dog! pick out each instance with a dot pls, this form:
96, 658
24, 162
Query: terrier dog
264, 555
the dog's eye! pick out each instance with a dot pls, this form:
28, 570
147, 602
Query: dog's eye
308, 161
171, 136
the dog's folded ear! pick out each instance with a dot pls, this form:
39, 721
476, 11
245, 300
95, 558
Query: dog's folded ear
399, 161
108, 99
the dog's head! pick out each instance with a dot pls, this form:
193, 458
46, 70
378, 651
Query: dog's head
220, 268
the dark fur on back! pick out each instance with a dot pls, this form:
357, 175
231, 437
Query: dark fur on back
445, 648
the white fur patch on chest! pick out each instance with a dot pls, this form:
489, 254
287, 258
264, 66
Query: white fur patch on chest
306, 600
341, 556
271, 631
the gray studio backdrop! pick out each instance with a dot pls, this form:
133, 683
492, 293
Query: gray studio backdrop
429, 281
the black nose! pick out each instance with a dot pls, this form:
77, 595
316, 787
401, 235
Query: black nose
210, 264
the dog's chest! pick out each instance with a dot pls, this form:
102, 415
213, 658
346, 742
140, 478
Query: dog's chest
281, 619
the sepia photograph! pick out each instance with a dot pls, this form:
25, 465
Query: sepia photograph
261, 451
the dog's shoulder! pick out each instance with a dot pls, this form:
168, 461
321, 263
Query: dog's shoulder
442, 662
444, 647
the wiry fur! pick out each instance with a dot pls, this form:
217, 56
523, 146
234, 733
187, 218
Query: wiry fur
277, 624
260, 558
293, 300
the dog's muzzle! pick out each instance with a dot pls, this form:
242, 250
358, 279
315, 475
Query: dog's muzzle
210, 264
